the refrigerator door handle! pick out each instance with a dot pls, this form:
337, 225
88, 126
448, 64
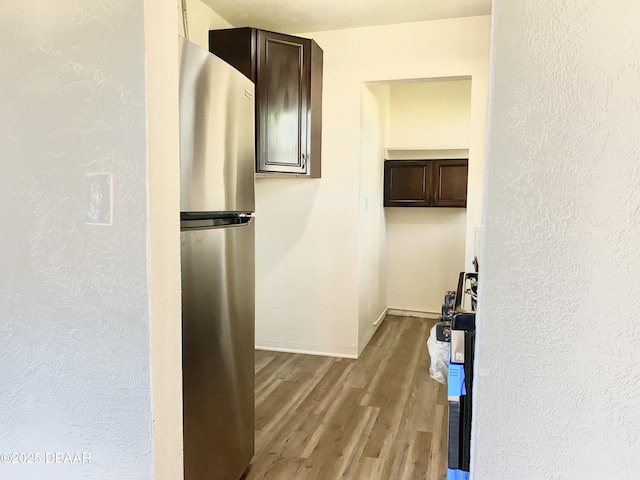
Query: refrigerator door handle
213, 223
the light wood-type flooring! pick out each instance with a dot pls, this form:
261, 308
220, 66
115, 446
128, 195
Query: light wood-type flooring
380, 417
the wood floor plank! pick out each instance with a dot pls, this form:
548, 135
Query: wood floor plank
339, 425
392, 391
262, 359
354, 448
380, 417
371, 469
265, 377
304, 382
425, 394
419, 456
438, 450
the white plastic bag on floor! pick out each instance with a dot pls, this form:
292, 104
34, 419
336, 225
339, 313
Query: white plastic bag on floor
439, 353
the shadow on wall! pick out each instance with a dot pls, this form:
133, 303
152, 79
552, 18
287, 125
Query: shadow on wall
426, 216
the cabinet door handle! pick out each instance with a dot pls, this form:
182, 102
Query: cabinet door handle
303, 159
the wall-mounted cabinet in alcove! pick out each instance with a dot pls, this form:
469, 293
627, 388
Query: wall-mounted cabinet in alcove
420, 182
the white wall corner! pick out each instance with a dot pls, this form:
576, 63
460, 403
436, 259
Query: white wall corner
163, 238
371, 332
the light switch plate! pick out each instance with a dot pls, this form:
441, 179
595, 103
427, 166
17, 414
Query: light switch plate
98, 198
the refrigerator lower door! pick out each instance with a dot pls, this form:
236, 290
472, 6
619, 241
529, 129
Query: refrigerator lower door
218, 351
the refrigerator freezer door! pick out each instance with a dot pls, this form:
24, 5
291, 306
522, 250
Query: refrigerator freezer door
218, 351
217, 140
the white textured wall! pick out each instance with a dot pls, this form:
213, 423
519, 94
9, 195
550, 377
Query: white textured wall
372, 244
426, 246
558, 357
74, 298
163, 237
307, 273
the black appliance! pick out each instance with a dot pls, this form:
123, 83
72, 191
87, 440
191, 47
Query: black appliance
460, 394
457, 325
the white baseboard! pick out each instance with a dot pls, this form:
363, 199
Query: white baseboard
306, 349
337, 351
413, 313
380, 317
369, 335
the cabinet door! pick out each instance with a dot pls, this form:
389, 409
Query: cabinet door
450, 183
282, 99
407, 183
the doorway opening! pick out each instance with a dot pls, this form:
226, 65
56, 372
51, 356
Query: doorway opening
410, 256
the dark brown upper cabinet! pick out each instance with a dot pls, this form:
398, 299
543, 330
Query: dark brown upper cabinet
425, 183
287, 71
407, 183
450, 183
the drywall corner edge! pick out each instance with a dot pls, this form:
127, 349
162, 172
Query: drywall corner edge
163, 238
372, 330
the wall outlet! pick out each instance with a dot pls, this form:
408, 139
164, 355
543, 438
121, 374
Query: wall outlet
98, 198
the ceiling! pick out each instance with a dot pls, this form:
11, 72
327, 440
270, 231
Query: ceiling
297, 16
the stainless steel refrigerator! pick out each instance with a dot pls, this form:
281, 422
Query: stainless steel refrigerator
217, 237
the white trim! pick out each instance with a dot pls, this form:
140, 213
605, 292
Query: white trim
306, 349
372, 330
381, 317
412, 313
424, 154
